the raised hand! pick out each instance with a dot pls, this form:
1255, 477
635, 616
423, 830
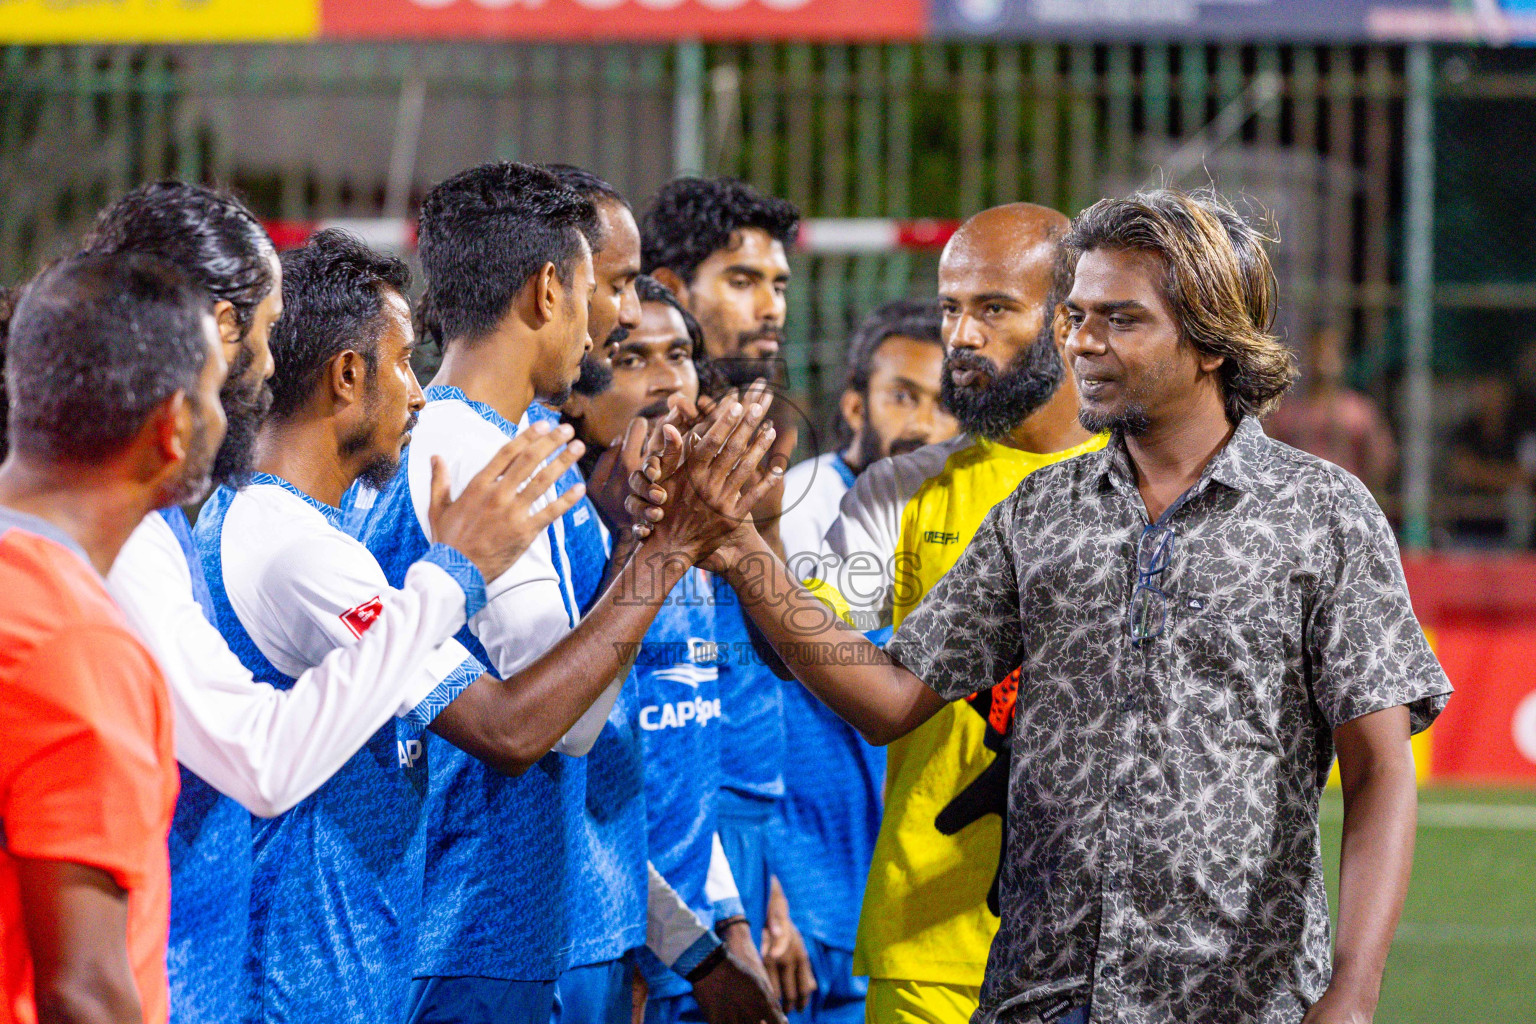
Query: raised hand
608, 485
688, 421
501, 511
711, 483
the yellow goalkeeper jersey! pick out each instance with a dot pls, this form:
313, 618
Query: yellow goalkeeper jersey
926, 914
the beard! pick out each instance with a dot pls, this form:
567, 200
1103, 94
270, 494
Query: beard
245, 405
1010, 395
1130, 420
596, 376
742, 370
868, 451
378, 471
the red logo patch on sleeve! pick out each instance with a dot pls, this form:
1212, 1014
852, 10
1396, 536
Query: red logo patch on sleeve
361, 618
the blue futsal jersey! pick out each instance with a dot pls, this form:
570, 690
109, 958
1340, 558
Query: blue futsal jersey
336, 890
210, 853
752, 750
607, 880
677, 715
497, 848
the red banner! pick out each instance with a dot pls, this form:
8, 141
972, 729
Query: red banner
851, 20
1481, 612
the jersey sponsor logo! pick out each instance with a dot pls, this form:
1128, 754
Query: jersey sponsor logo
408, 752
581, 515
940, 537
654, 718
360, 619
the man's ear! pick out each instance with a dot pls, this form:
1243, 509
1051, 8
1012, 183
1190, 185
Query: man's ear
548, 295
165, 438
229, 328
347, 375
1210, 363
1061, 327
852, 408
668, 278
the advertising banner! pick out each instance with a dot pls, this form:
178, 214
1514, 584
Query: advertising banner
851, 20
157, 21
1480, 611
1238, 20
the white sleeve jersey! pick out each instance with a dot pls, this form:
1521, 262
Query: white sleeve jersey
308, 588
264, 747
531, 606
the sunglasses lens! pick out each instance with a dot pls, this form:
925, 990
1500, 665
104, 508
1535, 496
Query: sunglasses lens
1148, 611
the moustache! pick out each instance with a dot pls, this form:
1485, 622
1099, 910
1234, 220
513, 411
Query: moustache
410, 423
903, 445
963, 359
764, 334
619, 334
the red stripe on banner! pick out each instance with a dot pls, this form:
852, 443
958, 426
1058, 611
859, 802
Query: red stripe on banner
925, 234
842, 20
289, 234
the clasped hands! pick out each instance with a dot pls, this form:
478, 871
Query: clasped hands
697, 473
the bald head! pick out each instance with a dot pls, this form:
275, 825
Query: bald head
1000, 279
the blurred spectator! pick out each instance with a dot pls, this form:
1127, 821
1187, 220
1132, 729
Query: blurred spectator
1485, 466
1334, 422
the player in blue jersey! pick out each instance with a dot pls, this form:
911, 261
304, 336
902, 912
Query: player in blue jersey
244, 746
824, 834
721, 247
509, 282
332, 918
678, 709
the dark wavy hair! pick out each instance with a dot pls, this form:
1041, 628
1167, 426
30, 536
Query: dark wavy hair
483, 233
93, 344
909, 318
333, 294
693, 218
209, 233
1217, 280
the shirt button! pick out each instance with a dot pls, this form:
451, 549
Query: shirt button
1128, 704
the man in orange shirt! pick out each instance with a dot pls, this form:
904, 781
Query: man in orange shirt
114, 367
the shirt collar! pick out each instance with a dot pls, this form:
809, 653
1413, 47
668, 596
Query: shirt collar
333, 515
1235, 466
10, 517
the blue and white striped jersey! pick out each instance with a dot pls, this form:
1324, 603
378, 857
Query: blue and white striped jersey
337, 882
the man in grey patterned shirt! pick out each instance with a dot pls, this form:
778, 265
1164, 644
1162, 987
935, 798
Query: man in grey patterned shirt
1203, 617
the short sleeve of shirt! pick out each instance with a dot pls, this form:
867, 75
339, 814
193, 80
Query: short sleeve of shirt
1368, 650
967, 634
80, 776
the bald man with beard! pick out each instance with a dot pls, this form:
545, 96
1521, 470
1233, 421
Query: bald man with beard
930, 908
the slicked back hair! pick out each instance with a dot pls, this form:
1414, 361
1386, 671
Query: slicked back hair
694, 218
94, 344
589, 186
333, 296
210, 234
1217, 280
484, 233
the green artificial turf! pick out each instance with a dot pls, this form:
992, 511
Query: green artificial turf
1466, 951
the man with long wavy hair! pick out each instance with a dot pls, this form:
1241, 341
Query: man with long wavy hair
1201, 618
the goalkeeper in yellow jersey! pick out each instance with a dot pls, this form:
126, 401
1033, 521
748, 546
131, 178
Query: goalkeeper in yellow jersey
930, 908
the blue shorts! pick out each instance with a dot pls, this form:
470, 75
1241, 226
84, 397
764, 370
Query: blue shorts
742, 823
839, 996
596, 994
471, 1000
